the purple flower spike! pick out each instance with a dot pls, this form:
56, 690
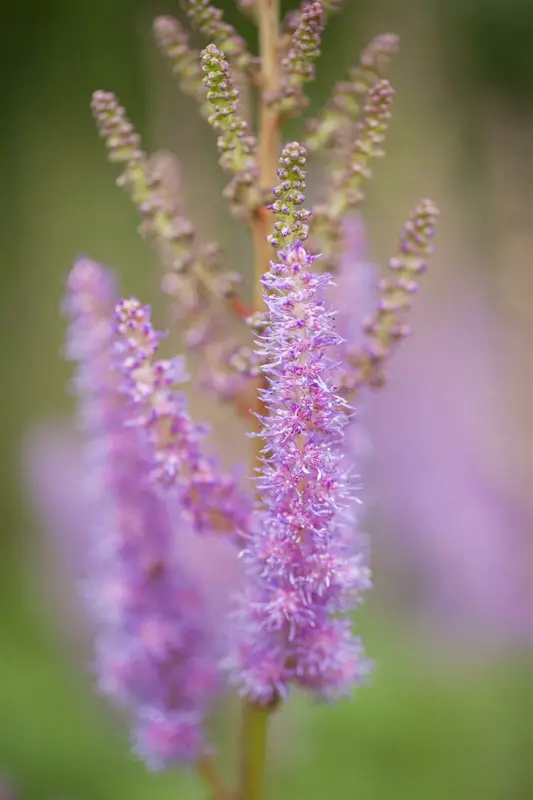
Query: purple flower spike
211, 500
154, 648
304, 573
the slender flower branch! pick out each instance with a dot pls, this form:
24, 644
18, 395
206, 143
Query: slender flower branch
171, 234
209, 20
333, 126
212, 501
298, 62
345, 193
237, 147
173, 41
389, 325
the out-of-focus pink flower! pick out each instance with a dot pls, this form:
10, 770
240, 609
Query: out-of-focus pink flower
447, 497
53, 470
452, 515
354, 290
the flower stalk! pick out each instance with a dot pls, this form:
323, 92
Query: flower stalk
255, 718
166, 648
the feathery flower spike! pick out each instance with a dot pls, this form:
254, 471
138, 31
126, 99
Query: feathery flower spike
154, 653
211, 500
303, 573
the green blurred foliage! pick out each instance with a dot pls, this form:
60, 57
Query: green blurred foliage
423, 729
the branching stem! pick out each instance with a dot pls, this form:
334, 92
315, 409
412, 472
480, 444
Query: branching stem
255, 717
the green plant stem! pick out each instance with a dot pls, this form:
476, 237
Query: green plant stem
254, 747
268, 17
255, 717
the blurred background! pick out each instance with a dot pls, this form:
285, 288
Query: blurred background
448, 479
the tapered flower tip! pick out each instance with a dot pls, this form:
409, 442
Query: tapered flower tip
89, 285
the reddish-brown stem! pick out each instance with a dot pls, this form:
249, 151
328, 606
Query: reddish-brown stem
209, 774
238, 306
255, 717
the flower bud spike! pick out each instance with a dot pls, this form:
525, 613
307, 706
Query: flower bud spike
207, 19
237, 147
154, 185
290, 225
333, 126
293, 18
389, 324
171, 235
298, 62
173, 42
345, 194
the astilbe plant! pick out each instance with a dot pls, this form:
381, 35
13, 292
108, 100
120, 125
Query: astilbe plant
295, 374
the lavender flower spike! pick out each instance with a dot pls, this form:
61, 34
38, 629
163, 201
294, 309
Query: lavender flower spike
154, 642
212, 501
303, 572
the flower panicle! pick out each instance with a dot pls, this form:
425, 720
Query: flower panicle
212, 500
173, 42
335, 124
304, 572
153, 648
236, 145
389, 325
208, 19
299, 59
